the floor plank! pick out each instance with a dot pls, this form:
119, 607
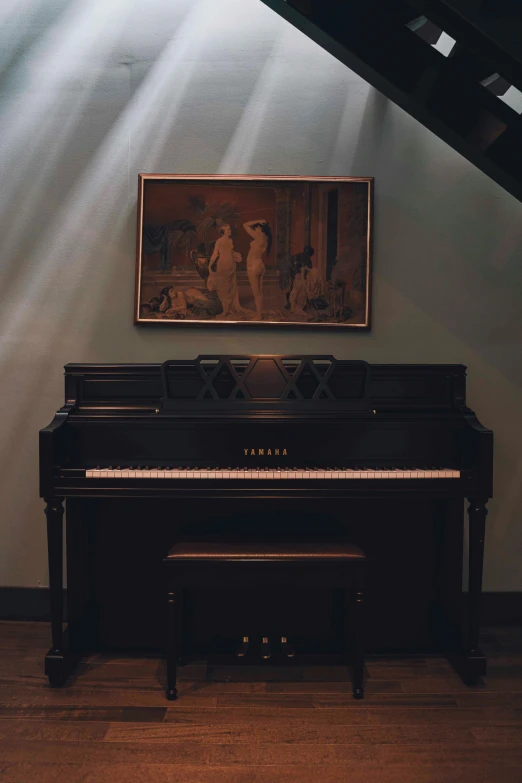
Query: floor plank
68, 713
348, 716
295, 732
302, 773
340, 773
51, 730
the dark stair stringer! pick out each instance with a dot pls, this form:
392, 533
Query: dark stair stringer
387, 42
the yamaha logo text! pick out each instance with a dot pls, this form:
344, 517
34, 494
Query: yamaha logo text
265, 452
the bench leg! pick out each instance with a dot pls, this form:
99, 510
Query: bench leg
172, 646
180, 635
358, 642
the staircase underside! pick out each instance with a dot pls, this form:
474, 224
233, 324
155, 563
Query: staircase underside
451, 64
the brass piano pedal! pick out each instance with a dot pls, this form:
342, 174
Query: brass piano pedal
243, 647
266, 651
286, 648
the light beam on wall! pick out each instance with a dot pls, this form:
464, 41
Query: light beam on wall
240, 150
83, 231
57, 87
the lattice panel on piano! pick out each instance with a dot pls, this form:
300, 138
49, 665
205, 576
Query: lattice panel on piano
265, 378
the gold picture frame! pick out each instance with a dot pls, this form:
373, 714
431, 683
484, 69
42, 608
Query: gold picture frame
234, 250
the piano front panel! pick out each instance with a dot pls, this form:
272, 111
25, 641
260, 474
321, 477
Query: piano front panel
267, 444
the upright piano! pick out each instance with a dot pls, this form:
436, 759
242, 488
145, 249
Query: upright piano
266, 446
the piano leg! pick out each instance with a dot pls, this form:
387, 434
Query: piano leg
471, 664
476, 660
58, 663
172, 644
358, 644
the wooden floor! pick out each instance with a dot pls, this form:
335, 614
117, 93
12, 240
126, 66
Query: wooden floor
417, 723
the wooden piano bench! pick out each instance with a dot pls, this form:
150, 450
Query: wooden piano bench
214, 565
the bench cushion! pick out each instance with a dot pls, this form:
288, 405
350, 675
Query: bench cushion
274, 552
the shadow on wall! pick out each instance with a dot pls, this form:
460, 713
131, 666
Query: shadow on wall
455, 237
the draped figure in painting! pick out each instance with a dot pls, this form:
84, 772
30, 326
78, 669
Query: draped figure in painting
222, 272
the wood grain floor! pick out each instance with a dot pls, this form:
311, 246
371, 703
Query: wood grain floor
417, 724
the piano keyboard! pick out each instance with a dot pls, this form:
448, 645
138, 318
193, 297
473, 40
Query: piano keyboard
271, 473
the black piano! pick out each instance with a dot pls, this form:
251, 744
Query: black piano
267, 447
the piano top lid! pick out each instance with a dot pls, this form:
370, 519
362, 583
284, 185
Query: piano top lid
289, 382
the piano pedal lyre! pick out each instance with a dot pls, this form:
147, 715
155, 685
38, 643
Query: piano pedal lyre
243, 647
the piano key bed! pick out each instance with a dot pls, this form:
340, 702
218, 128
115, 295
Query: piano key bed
270, 474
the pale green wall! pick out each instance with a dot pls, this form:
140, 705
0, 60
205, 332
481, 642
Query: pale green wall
94, 91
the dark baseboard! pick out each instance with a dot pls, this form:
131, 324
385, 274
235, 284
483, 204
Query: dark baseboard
32, 603
25, 603
501, 609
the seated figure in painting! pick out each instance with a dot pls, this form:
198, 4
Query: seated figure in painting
222, 272
177, 304
203, 304
292, 266
308, 291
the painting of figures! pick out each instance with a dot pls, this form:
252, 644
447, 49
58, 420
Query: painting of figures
254, 250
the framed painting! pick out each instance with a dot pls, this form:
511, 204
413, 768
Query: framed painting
259, 250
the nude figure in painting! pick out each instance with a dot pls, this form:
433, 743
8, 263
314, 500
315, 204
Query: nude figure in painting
222, 272
261, 243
